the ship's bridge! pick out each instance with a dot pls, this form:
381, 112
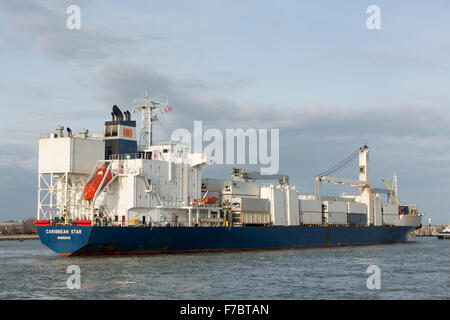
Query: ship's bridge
174, 151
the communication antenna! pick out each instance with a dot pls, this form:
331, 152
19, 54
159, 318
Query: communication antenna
149, 116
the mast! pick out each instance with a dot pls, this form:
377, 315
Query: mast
363, 174
148, 117
395, 186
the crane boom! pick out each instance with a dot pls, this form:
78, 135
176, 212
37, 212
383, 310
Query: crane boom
387, 185
240, 174
391, 192
334, 180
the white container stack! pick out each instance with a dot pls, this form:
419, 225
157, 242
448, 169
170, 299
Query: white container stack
376, 214
231, 189
357, 213
241, 188
335, 211
213, 185
357, 208
390, 214
310, 211
277, 199
247, 204
291, 205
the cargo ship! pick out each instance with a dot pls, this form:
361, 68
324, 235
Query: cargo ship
113, 194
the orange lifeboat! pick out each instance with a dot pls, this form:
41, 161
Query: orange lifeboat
93, 184
208, 200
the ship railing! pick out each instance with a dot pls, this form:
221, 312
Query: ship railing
161, 142
127, 156
171, 204
205, 205
100, 222
91, 136
154, 223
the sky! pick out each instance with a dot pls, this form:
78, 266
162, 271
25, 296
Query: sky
311, 69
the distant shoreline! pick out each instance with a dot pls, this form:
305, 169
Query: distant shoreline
19, 237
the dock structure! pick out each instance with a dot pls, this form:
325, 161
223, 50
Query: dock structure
19, 237
22, 227
426, 231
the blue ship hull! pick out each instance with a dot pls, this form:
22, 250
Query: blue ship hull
83, 240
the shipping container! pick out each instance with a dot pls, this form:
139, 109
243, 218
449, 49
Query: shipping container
335, 206
241, 188
310, 211
390, 209
247, 204
277, 199
357, 219
375, 212
390, 219
310, 217
307, 197
213, 185
357, 207
336, 217
292, 205
309, 205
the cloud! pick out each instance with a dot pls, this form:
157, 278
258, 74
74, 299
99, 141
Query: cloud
301, 128
398, 58
17, 154
122, 82
44, 28
193, 99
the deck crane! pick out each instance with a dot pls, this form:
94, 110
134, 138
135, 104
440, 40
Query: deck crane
363, 173
392, 190
362, 183
239, 174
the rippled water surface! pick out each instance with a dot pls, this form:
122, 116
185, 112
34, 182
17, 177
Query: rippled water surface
419, 269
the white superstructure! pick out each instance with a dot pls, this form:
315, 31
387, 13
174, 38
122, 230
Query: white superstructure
65, 163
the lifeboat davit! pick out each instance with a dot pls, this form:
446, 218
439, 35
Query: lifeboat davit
93, 184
